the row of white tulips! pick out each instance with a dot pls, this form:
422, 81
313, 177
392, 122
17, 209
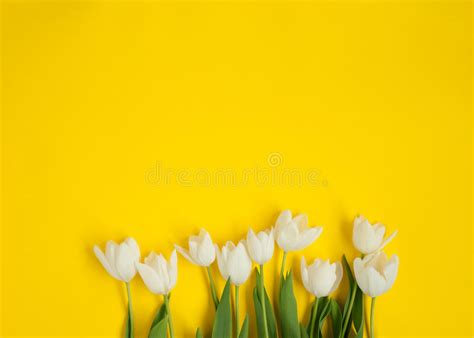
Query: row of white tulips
374, 274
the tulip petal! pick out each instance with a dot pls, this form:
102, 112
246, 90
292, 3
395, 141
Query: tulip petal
134, 249
184, 253
308, 236
360, 276
376, 282
103, 260
388, 239
124, 263
193, 248
254, 246
151, 279
283, 219
162, 270
288, 237
110, 252
239, 264
339, 274
173, 270
221, 262
391, 271
206, 253
304, 275
365, 238
302, 221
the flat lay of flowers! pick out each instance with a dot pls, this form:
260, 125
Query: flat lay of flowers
370, 275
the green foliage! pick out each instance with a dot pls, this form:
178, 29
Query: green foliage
349, 303
198, 333
159, 324
288, 311
244, 332
271, 321
303, 332
336, 317
358, 313
222, 327
323, 309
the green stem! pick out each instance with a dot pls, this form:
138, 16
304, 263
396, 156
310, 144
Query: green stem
130, 310
348, 316
313, 318
283, 262
372, 310
237, 314
213, 287
262, 301
170, 322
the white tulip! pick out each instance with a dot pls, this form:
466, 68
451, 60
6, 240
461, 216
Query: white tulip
321, 278
201, 249
120, 259
368, 238
159, 275
293, 233
234, 262
375, 274
261, 245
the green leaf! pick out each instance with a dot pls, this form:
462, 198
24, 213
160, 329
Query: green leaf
347, 312
244, 332
303, 332
159, 329
198, 333
288, 311
159, 324
358, 313
258, 314
308, 327
271, 321
324, 309
336, 317
160, 314
347, 270
348, 300
222, 327
326, 303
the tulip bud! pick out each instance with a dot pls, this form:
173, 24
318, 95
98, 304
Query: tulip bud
120, 260
321, 278
234, 262
201, 249
260, 246
293, 234
368, 238
159, 275
375, 274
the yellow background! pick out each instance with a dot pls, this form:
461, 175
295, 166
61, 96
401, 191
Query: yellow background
375, 96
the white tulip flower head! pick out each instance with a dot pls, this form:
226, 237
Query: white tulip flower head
321, 278
119, 260
261, 245
375, 274
201, 249
159, 275
293, 233
368, 238
234, 262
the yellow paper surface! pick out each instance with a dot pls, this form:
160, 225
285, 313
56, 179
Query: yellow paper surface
152, 119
